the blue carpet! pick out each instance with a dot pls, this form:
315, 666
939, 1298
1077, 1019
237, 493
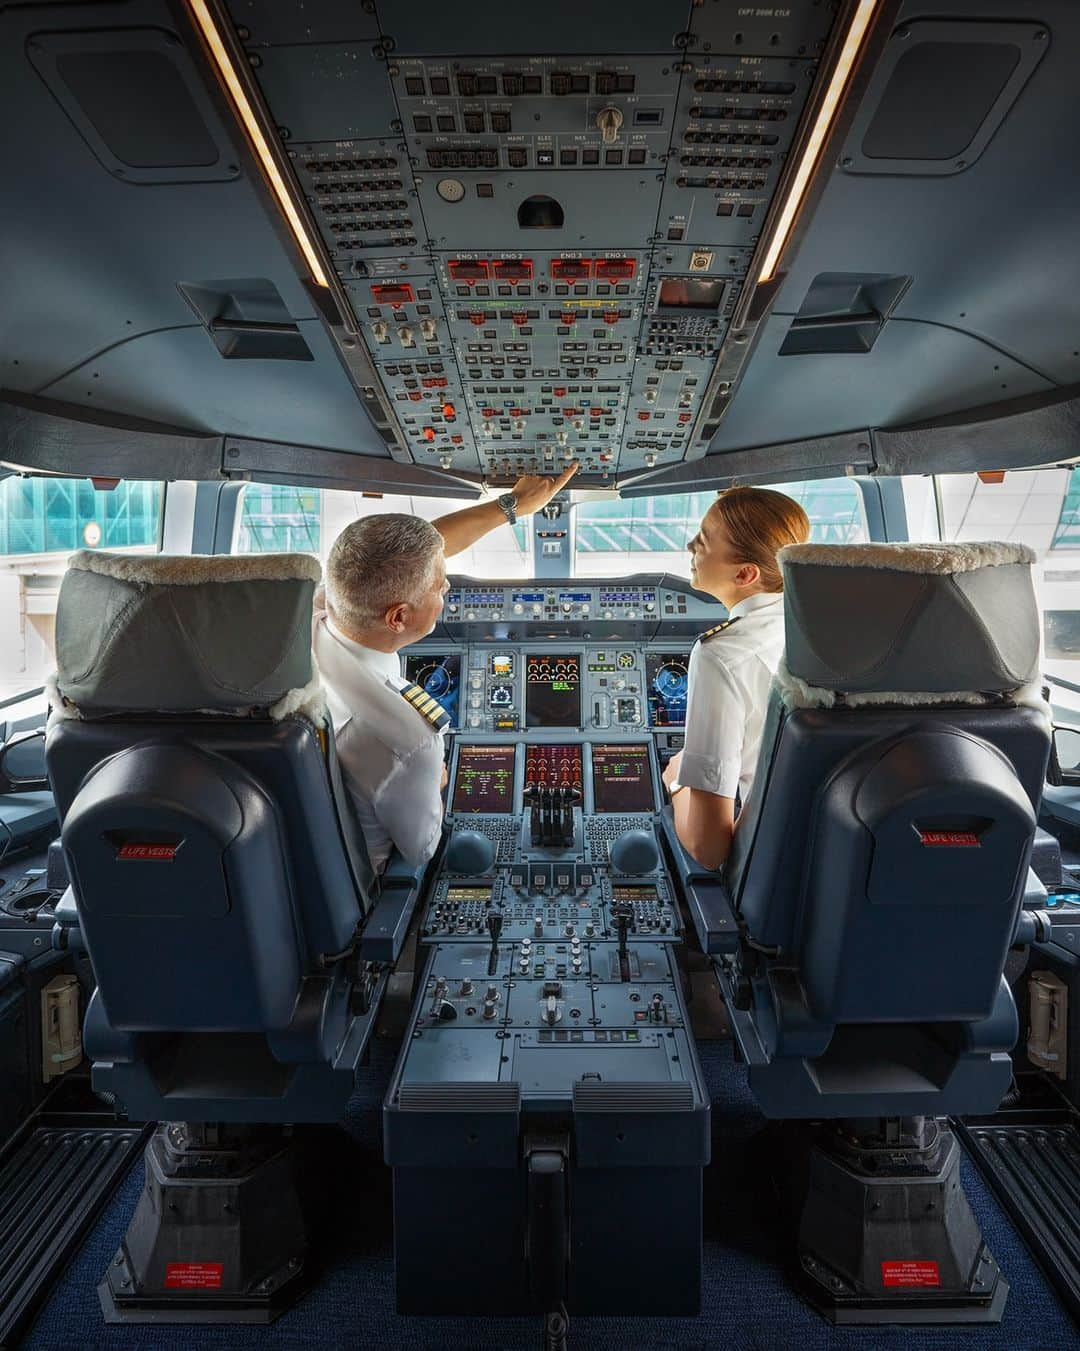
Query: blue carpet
746, 1305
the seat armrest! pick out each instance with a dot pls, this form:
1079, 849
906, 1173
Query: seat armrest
707, 897
383, 934
67, 935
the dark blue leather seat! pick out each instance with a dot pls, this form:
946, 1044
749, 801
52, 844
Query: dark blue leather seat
220, 881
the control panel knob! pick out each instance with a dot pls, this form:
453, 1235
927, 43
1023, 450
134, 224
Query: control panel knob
489, 1010
381, 332
445, 1011
619, 683
635, 852
569, 931
551, 1010
405, 336
469, 852
476, 681
519, 609
609, 120
538, 925
466, 986
650, 606
453, 607
492, 993
590, 929
427, 328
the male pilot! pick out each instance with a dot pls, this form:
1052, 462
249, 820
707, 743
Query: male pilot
385, 583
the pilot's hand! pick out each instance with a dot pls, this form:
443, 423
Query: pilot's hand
534, 491
671, 770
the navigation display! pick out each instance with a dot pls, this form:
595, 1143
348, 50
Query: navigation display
552, 691
438, 676
667, 683
485, 779
622, 779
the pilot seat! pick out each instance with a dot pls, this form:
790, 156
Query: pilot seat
224, 895
863, 920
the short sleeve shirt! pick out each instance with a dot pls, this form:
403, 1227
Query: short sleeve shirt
391, 756
729, 678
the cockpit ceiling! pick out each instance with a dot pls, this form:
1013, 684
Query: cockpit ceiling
486, 244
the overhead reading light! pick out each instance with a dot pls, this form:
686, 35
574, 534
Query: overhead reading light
830, 103
227, 70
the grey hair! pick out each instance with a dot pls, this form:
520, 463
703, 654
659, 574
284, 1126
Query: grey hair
377, 562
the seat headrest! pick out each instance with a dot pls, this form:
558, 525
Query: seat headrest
910, 619
218, 634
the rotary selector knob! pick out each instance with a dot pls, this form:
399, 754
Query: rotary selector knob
519, 609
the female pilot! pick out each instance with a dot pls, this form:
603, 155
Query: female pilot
732, 557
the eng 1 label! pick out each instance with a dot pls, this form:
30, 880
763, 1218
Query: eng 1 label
910, 1273
193, 1275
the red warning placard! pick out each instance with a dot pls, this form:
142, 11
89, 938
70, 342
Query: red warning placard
910, 1273
193, 1275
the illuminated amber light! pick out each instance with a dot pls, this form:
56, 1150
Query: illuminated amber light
255, 133
860, 23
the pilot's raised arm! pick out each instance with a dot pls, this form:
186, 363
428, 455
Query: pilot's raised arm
385, 583
732, 557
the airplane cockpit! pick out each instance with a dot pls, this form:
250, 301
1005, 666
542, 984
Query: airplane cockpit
459, 885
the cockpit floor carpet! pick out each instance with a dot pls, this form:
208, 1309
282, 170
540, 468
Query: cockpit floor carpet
54, 1181
747, 1302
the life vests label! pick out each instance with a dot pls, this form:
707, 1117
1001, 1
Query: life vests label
147, 853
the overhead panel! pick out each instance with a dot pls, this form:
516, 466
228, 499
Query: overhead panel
542, 221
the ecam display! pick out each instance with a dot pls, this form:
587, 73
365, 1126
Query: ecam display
622, 779
485, 779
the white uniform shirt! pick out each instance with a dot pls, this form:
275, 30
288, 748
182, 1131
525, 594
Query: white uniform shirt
729, 678
391, 756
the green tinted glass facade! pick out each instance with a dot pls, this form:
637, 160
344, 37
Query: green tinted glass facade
1067, 533
46, 515
277, 519
666, 524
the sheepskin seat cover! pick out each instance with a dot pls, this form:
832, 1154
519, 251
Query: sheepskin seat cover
219, 634
908, 623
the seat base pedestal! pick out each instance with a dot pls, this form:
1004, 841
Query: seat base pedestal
886, 1233
218, 1234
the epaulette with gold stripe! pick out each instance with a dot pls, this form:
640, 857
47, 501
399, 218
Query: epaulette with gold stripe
717, 628
428, 707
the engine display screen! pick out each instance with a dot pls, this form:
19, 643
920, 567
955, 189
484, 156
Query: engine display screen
485, 779
553, 767
622, 779
438, 676
667, 682
552, 691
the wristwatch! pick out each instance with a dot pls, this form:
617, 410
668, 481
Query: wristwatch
508, 502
